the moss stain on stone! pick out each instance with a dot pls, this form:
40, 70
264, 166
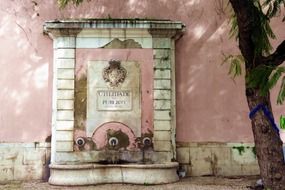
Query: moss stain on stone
240, 149
123, 139
80, 102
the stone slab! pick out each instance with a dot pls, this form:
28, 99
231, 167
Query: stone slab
108, 102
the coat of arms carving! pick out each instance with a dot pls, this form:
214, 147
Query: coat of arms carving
114, 74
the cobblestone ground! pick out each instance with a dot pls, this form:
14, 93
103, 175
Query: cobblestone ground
193, 183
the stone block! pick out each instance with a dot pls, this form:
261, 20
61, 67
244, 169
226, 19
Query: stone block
162, 146
6, 173
65, 63
65, 125
64, 42
65, 53
64, 135
65, 94
65, 84
65, 73
162, 74
162, 94
200, 159
162, 54
161, 43
162, 63
9, 156
221, 160
162, 125
28, 172
64, 146
33, 157
65, 104
243, 155
65, 115
183, 155
162, 115
162, 84
162, 104
250, 169
162, 135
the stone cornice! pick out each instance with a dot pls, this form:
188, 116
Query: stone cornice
157, 28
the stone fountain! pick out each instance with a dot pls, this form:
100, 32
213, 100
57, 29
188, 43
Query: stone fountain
113, 117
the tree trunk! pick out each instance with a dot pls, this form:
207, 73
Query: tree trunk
267, 143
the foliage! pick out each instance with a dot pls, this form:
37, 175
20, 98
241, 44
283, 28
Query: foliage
235, 62
264, 77
282, 122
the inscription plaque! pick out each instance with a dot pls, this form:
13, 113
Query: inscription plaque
113, 95
114, 100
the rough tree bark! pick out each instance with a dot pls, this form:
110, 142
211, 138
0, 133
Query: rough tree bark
267, 141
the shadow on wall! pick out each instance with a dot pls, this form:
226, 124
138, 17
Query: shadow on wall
204, 91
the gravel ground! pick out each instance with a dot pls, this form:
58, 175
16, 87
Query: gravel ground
192, 183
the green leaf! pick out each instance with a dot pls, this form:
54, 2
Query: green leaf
275, 76
281, 94
235, 62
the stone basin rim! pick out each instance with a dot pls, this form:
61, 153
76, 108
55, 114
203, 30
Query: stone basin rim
91, 166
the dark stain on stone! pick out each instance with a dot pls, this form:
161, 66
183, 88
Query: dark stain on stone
89, 145
139, 140
123, 139
80, 102
48, 138
118, 44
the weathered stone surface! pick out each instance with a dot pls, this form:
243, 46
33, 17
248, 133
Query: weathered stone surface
162, 104
183, 155
161, 136
64, 135
65, 73
23, 161
65, 53
200, 159
162, 94
161, 43
162, 54
64, 42
162, 146
65, 104
162, 115
162, 84
88, 174
65, 94
65, 84
162, 125
65, 115
32, 157
64, 146
162, 63
162, 74
64, 125
65, 63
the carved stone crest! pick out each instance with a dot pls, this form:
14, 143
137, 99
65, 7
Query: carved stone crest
114, 74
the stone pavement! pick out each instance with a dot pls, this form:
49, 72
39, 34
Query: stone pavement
191, 183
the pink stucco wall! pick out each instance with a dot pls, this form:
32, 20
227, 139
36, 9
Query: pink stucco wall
210, 106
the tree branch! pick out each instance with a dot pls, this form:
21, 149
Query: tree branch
276, 58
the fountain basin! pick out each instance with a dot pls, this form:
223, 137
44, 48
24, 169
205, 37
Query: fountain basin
91, 174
